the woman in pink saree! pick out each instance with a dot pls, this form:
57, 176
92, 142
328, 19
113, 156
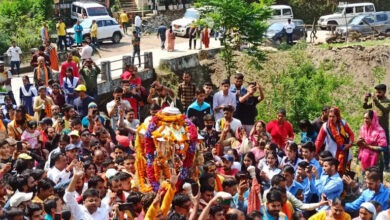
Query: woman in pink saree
372, 141
171, 39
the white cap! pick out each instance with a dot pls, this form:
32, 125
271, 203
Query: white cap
224, 195
20, 197
111, 172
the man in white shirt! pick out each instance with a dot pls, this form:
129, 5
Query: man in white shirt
289, 28
59, 172
222, 99
90, 209
137, 24
86, 51
117, 104
14, 53
228, 120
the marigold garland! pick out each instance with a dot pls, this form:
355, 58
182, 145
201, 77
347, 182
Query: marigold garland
150, 162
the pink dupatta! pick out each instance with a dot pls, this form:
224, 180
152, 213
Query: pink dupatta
373, 135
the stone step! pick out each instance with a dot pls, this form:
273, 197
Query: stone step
128, 4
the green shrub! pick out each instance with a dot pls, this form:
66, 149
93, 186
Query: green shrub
302, 89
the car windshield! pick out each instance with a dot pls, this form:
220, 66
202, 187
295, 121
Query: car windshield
276, 27
339, 10
298, 22
86, 23
97, 11
192, 14
356, 20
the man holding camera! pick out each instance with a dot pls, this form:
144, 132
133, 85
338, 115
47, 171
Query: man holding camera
82, 101
115, 105
93, 112
89, 75
246, 110
381, 104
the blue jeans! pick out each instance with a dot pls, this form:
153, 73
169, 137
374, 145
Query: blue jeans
138, 29
93, 93
162, 43
136, 51
17, 65
290, 38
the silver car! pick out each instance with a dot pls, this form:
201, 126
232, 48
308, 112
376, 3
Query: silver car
378, 22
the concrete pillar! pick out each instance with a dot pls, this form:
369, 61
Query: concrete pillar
126, 60
106, 70
6, 59
148, 60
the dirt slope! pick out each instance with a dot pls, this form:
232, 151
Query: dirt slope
365, 64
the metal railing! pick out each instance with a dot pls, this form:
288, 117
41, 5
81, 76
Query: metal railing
120, 65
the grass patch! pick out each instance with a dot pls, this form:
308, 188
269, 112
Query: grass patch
369, 43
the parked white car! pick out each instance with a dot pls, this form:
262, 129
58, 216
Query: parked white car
108, 29
367, 24
280, 13
81, 10
181, 26
344, 13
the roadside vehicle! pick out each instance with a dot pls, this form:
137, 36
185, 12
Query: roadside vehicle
181, 26
108, 29
367, 24
81, 10
344, 13
277, 34
281, 13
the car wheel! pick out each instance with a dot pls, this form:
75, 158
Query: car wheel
69, 41
116, 38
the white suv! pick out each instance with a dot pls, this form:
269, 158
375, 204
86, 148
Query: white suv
108, 29
181, 26
344, 13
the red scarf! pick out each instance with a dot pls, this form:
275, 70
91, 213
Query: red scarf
339, 137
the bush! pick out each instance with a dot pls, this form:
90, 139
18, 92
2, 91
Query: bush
302, 89
22, 21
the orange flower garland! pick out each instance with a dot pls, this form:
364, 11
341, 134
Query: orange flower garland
152, 161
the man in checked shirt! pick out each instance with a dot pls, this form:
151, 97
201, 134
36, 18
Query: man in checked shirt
186, 91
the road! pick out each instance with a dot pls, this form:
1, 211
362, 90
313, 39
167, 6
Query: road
113, 52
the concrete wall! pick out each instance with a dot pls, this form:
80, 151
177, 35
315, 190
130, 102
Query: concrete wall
191, 63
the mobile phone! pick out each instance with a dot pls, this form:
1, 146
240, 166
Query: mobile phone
351, 174
19, 146
194, 188
57, 216
125, 206
94, 112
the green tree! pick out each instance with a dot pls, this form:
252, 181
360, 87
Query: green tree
243, 24
22, 20
303, 89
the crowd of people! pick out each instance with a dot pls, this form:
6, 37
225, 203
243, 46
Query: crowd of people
64, 157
